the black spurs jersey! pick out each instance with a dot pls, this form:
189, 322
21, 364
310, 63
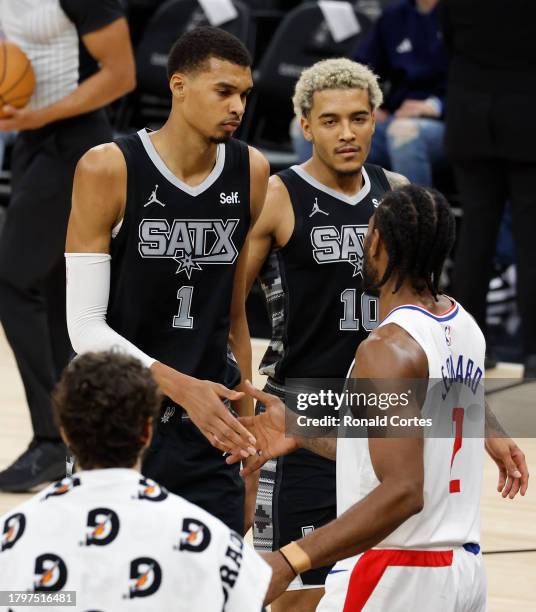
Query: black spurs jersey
174, 259
313, 284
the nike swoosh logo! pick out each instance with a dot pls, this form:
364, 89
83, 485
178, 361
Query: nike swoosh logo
337, 571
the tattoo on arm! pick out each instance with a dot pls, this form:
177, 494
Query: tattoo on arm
493, 428
396, 180
326, 447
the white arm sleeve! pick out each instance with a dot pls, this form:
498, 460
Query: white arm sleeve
88, 290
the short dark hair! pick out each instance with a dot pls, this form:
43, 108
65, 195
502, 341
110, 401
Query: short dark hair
417, 227
103, 401
192, 50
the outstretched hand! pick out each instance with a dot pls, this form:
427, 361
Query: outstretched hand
513, 469
268, 428
204, 401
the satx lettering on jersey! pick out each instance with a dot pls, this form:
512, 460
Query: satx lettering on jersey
332, 245
190, 242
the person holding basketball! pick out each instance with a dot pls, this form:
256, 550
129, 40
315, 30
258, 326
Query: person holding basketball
82, 59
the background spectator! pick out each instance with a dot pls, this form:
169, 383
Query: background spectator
490, 136
81, 55
406, 50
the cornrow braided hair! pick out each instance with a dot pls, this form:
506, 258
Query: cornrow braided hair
417, 227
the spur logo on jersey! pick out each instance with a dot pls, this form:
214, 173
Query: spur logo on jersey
14, 527
102, 527
50, 573
195, 536
62, 487
168, 414
150, 490
331, 245
191, 243
145, 577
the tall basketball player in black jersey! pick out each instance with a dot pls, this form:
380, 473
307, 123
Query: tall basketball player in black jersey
307, 249
156, 254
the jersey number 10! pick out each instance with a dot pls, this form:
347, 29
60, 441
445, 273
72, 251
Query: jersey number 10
369, 311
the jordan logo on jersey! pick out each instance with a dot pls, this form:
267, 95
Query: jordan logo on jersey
316, 209
191, 243
153, 199
332, 245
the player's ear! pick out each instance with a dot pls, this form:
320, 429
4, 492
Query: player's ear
306, 128
147, 433
375, 243
177, 84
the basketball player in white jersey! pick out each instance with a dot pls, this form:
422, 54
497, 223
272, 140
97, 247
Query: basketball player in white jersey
405, 537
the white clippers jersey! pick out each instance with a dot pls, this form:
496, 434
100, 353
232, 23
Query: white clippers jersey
453, 466
122, 542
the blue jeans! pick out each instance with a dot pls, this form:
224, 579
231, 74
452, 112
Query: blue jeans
408, 146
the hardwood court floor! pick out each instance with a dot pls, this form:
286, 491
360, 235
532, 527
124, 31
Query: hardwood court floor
508, 527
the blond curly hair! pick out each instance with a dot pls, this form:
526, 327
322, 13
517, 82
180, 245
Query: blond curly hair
338, 73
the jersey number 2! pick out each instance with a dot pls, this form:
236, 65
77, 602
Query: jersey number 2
457, 417
183, 320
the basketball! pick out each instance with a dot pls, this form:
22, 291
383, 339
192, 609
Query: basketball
17, 79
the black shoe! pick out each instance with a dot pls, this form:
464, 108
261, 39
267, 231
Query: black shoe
490, 360
43, 461
530, 367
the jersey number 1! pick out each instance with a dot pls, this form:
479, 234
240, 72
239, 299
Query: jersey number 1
183, 320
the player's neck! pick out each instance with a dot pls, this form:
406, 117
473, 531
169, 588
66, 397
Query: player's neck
348, 184
408, 295
185, 152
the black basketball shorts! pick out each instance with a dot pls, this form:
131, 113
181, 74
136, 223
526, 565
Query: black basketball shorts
297, 494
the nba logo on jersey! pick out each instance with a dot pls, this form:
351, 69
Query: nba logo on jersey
448, 335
